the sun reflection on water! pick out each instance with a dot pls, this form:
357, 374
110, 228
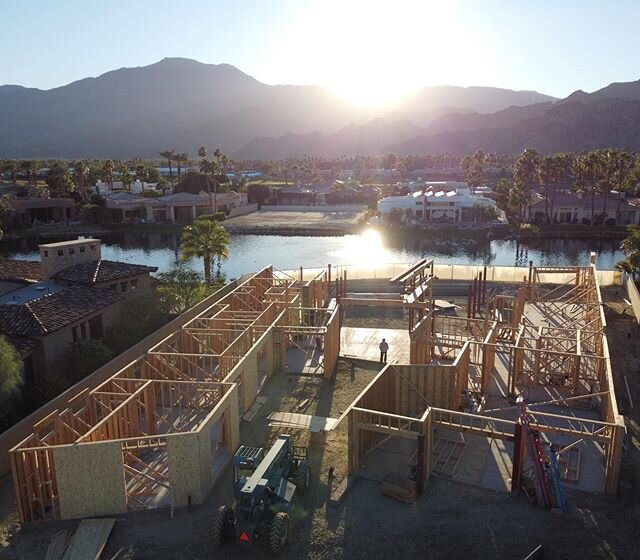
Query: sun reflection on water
366, 249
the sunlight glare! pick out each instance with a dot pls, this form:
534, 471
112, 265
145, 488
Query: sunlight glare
366, 249
378, 53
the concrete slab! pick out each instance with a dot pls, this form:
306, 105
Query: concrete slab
363, 344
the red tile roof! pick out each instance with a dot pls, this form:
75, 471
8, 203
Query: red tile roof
52, 312
101, 271
12, 270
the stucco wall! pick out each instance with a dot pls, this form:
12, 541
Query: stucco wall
56, 344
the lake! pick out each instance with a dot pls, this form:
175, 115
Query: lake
252, 252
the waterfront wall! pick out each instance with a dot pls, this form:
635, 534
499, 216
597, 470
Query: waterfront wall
316, 208
508, 274
242, 210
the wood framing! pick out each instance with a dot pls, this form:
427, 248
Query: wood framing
548, 339
159, 431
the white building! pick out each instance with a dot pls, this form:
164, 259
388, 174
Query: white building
436, 202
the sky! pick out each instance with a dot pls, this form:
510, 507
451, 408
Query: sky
365, 50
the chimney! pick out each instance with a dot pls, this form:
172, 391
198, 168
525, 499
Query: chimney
58, 256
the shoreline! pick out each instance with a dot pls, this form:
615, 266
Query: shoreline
505, 232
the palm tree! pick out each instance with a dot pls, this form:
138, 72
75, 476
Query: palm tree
29, 168
623, 175
125, 176
205, 239
547, 175
141, 174
81, 174
525, 174
169, 155
206, 167
181, 158
107, 172
11, 166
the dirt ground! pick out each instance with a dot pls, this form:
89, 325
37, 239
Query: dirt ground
315, 217
451, 520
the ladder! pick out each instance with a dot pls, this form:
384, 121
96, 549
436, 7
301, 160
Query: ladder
558, 489
536, 452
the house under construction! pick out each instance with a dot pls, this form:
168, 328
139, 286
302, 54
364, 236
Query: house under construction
161, 430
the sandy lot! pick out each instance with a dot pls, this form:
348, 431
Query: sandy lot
270, 220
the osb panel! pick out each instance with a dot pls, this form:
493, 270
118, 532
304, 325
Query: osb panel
419, 386
205, 447
90, 479
184, 468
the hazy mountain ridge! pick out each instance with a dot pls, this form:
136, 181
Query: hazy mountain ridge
182, 103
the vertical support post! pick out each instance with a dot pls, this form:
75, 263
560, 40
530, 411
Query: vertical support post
469, 298
484, 286
518, 458
345, 284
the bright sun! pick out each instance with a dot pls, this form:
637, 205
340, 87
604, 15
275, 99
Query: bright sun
373, 53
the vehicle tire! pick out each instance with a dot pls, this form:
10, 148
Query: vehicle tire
279, 532
303, 476
222, 526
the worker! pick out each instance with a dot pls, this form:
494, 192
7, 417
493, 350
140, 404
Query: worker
384, 348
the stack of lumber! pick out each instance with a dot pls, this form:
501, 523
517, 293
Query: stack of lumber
400, 488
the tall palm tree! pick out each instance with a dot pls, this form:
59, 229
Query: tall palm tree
107, 172
26, 166
141, 174
525, 174
11, 166
81, 174
181, 158
170, 156
208, 240
206, 167
125, 176
547, 175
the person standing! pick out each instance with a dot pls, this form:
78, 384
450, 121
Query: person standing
384, 348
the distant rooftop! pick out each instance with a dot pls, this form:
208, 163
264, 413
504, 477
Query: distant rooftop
30, 292
72, 242
54, 311
101, 271
12, 270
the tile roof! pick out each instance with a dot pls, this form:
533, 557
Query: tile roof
50, 313
12, 270
23, 345
101, 271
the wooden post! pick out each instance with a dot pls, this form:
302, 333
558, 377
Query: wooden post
345, 284
484, 286
518, 458
329, 274
469, 302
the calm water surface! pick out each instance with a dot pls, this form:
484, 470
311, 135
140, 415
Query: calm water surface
251, 252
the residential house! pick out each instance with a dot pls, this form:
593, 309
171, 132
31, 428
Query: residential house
43, 321
29, 211
72, 294
578, 208
181, 208
436, 202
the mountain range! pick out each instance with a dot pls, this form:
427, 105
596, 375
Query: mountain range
182, 104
